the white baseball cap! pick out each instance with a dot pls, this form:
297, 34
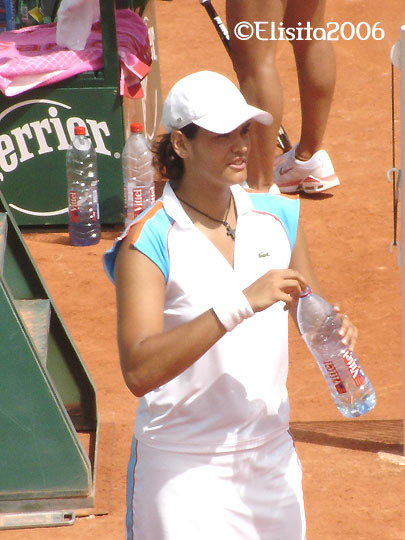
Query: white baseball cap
210, 101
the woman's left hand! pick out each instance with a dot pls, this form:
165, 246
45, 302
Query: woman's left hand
348, 330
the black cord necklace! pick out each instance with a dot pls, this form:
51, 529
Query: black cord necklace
229, 230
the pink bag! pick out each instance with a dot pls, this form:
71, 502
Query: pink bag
30, 57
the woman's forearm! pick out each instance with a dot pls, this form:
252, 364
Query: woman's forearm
160, 358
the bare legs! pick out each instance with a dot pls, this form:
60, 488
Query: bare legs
255, 65
315, 61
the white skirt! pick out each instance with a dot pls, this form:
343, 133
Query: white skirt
251, 494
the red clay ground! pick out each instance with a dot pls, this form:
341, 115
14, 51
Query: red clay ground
350, 492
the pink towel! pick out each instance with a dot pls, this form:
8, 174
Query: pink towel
30, 58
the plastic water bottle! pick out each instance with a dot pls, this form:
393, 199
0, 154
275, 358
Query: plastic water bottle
319, 325
82, 179
137, 169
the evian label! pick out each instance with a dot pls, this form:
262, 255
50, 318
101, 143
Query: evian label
335, 377
352, 366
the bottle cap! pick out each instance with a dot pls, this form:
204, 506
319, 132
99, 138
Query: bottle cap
305, 293
80, 130
137, 127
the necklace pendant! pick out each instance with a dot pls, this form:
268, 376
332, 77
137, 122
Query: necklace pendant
230, 232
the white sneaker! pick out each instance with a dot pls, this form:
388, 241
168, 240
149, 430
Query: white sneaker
312, 176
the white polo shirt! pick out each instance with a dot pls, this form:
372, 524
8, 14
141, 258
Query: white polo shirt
234, 396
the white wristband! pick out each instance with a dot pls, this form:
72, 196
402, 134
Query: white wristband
232, 310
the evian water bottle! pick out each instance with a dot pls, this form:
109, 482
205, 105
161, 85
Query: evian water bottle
137, 169
319, 325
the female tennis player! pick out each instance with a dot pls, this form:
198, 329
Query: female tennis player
205, 279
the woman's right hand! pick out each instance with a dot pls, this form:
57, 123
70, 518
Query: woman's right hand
274, 286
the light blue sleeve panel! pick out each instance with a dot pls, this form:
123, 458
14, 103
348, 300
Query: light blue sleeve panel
285, 209
150, 239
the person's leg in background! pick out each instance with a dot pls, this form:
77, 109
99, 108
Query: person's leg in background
316, 68
255, 66
306, 166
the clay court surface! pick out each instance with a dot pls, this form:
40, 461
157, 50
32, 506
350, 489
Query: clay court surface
350, 492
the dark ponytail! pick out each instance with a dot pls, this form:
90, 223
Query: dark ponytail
166, 161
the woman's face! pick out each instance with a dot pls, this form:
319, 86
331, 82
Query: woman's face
219, 158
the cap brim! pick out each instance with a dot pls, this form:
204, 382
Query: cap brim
226, 121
